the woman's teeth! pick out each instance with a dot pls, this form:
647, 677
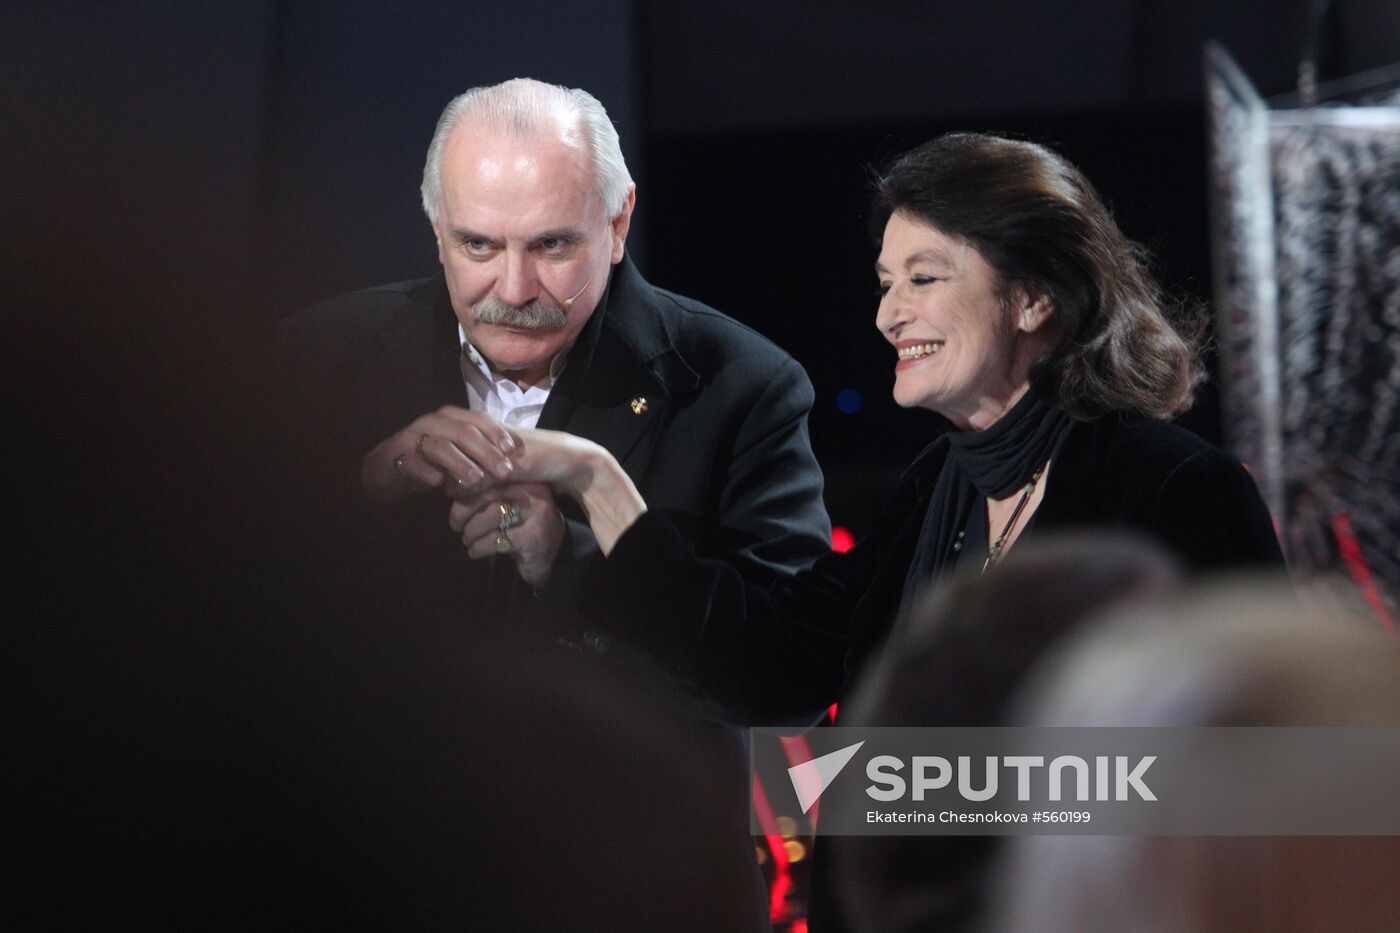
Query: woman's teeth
919, 350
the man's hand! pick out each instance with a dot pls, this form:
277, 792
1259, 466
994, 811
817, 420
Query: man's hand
451, 449
536, 528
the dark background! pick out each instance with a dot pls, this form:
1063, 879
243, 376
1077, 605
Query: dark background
179, 176
176, 177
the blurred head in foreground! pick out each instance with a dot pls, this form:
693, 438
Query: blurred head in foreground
1231, 655
969, 647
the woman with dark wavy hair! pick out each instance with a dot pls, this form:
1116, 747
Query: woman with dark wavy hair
1110, 343
1019, 311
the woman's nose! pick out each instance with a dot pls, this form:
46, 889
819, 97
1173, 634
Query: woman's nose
892, 315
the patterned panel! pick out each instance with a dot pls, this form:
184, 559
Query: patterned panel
1306, 237
1336, 177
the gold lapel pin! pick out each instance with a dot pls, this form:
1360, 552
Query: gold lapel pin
639, 405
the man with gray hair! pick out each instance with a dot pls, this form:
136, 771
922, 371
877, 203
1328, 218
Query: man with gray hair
539, 319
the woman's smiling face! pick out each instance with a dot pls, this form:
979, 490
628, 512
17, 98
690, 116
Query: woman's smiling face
956, 330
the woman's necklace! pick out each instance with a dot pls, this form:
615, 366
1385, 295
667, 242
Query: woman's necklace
994, 552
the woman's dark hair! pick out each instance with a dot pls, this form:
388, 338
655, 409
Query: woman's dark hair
1038, 222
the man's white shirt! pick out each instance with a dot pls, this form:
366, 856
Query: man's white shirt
500, 396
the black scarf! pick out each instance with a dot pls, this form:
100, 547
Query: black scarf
980, 465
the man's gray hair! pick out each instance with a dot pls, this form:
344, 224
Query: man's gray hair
527, 107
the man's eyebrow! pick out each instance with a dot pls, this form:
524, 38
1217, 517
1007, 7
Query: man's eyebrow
463, 235
567, 235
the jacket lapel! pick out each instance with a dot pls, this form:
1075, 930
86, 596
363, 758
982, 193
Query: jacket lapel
627, 385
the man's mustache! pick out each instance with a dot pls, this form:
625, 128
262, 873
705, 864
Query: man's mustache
535, 315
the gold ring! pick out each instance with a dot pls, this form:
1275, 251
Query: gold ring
510, 514
503, 545
419, 446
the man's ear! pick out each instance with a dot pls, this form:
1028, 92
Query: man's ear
1032, 311
622, 223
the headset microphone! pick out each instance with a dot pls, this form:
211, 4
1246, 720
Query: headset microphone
569, 302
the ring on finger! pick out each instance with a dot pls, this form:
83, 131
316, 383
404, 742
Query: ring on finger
398, 462
503, 545
419, 446
510, 514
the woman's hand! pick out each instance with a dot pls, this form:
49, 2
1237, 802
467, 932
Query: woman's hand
564, 461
